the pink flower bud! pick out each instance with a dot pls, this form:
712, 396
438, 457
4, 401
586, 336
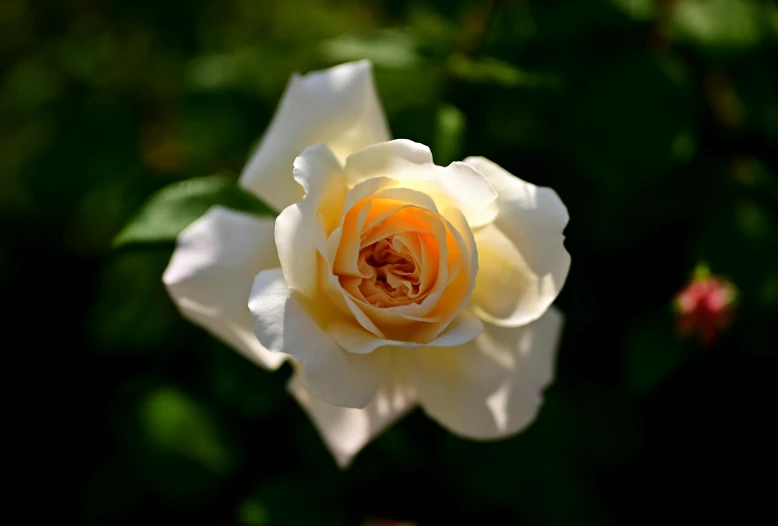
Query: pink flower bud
705, 306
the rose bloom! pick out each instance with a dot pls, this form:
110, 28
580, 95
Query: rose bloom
387, 281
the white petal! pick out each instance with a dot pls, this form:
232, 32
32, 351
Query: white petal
347, 430
356, 339
283, 324
489, 388
471, 192
463, 328
408, 196
317, 170
397, 159
507, 292
337, 106
410, 163
210, 274
531, 219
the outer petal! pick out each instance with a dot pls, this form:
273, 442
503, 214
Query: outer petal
490, 388
210, 275
507, 292
320, 174
531, 219
347, 430
337, 106
463, 328
411, 163
283, 324
397, 159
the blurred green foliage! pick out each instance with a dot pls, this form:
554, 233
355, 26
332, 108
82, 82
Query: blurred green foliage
173, 208
656, 121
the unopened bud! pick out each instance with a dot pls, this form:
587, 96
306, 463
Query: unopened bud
705, 306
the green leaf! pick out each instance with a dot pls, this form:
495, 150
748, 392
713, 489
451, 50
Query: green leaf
388, 48
638, 10
449, 134
252, 513
175, 423
720, 28
180, 446
171, 209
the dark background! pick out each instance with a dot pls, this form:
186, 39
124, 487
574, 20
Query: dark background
657, 124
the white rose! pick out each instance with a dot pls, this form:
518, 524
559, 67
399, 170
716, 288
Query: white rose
388, 280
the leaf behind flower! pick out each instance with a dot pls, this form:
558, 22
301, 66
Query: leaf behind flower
172, 208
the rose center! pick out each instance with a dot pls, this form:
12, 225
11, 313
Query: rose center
390, 273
